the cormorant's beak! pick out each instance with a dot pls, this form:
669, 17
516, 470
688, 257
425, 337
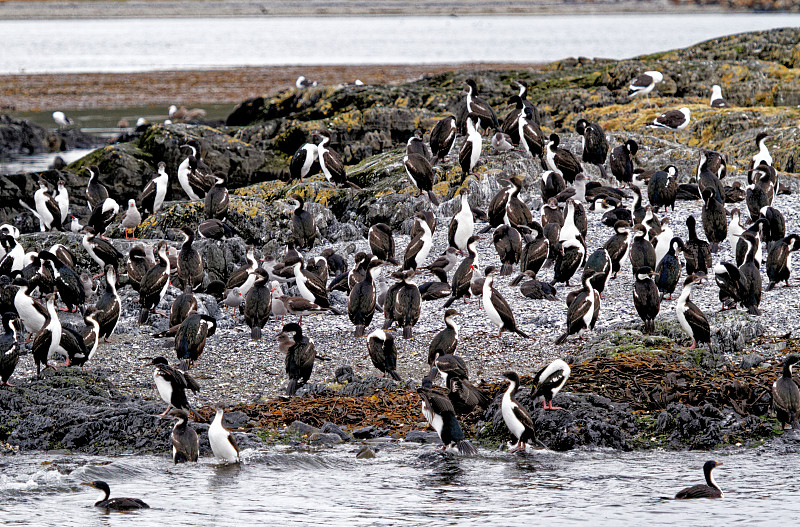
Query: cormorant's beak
88, 484
720, 464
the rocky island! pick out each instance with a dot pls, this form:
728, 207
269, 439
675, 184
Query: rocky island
627, 390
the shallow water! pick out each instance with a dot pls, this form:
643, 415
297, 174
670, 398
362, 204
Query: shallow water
115, 45
38, 162
405, 485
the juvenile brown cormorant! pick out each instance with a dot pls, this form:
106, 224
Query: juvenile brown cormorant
786, 395
646, 298
190, 340
185, 443
258, 304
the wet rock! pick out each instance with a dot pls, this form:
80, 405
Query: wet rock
419, 436
369, 432
586, 420
322, 439
80, 411
365, 453
20, 137
331, 428
301, 428
235, 419
750, 361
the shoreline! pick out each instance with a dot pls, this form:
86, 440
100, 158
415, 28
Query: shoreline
34, 9
70, 91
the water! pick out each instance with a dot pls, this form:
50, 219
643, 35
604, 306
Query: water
38, 162
404, 485
121, 45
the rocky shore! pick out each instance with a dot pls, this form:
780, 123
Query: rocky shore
627, 390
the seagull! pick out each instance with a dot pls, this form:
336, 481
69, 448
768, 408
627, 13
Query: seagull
716, 98
61, 119
673, 119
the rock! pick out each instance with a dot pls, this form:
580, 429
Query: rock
365, 453
301, 428
369, 432
319, 438
750, 361
420, 436
235, 419
330, 428
20, 137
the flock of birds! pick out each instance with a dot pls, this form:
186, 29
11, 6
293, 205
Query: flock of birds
557, 240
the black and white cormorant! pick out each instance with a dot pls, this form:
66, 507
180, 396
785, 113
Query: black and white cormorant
535, 289
446, 340
244, 277
516, 417
9, 348
258, 304
303, 162
193, 174
534, 253
154, 193
600, 262
697, 252
137, 264
709, 490
583, 309
646, 298
549, 381
108, 307
561, 160
786, 395
644, 83
508, 244
621, 161
662, 188
569, 256
595, 144
381, 242
420, 245
154, 284
464, 396
775, 228
103, 215
363, 299
172, 384
190, 340
311, 287
32, 313
383, 352
532, 139
183, 304
763, 155
299, 354
115, 504
462, 278
304, 228
440, 414
62, 198
517, 212
420, 172
102, 251
185, 443
403, 303
96, 192
45, 208
462, 226
223, 442
551, 185
190, 261
779, 260
668, 270
214, 229
692, 320
641, 253
471, 148
714, 218
496, 307
435, 289
47, 341
484, 114
217, 198
330, 163
673, 119
443, 137
67, 282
